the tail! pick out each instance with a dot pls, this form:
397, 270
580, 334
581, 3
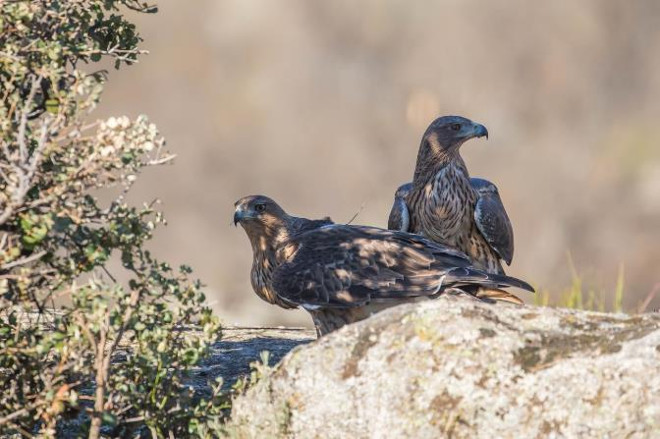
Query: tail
497, 295
465, 276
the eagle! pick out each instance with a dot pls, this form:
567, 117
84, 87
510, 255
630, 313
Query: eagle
343, 273
446, 206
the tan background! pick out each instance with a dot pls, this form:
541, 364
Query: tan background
321, 105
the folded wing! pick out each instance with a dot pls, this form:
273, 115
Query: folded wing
399, 218
492, 220
347, 266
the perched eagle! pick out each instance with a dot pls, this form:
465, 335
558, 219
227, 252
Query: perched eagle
447, 206
343, 273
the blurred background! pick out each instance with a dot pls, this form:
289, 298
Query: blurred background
321, 105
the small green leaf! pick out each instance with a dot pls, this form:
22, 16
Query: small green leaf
52, 106
109, 419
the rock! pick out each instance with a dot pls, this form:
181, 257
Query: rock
458, 368
230, 358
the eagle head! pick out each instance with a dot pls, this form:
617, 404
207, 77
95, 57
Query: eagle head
448, 133
257, 211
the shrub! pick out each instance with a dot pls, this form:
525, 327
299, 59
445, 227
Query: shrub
79, 351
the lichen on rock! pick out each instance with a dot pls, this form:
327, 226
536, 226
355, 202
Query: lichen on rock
460, 368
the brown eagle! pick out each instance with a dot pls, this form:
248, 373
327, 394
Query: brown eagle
447, 206
344, 273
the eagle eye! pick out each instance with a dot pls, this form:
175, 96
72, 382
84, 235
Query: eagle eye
456, 126
260, 207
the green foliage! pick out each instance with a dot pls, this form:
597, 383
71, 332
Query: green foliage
258, 370
80, 352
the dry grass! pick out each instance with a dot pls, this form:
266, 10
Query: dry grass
578, 296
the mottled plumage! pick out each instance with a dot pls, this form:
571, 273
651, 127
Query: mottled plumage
445, 205
489, 215
491, 218
343, 273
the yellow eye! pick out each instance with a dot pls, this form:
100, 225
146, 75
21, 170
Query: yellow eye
456, 126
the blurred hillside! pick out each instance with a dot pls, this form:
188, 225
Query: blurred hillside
321, 105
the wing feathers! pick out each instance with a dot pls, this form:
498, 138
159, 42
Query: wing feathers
492, 220
399, 218
468, 275
348, 266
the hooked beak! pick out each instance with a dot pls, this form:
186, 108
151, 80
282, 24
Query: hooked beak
239, 215
479, 131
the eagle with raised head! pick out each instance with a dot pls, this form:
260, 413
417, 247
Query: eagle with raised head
447, 206
343, 273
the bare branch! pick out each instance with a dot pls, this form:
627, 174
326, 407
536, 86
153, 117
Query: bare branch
25, 410
101, 382
4, 240
162, 160
107, 272
103, 363
145, 8
22, 145
26, 169
23, 261
6, 214
356, 214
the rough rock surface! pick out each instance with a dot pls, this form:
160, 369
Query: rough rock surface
231, 357
457, 368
